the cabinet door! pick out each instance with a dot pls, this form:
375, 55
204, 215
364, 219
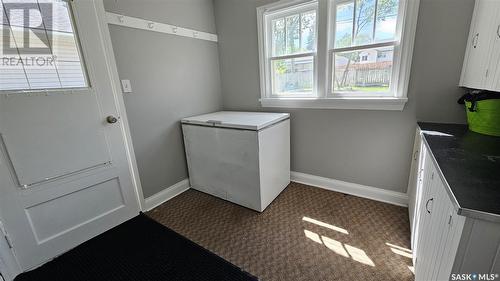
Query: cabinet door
423, 216
428, 225
450, 245
440, 230
476, 63
414, 179
493, 78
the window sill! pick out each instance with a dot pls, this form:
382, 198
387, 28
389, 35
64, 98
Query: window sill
396, 104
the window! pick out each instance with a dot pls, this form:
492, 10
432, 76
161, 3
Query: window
361, 60
361, 30
291, 53
39, 48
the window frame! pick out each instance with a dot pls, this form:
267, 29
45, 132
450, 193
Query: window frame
324, 97
395, 43
83, 64
268, 16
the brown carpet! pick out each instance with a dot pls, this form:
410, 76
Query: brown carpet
306, 234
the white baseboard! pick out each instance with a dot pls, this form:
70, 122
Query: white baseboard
166, 194
374, 193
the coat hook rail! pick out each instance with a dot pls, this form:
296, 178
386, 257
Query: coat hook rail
139, 23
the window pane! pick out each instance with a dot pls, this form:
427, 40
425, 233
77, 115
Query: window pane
44, 43
387, 16
364, 71
292, 34
364, 21
23, 13
278, 37
344, 21
56, 15
3, 17
64, 46
70, 74
12, 75
39, 67
293, 76
360, 22
308, 32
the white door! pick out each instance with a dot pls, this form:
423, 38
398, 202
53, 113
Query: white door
64, 174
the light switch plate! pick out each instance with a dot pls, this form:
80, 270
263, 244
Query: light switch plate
126, 87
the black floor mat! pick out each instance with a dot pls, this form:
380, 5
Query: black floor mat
139, 249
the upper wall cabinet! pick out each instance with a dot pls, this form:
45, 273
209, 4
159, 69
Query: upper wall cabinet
482, 57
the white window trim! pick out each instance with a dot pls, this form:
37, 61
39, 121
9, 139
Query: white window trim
265, 36
323, 99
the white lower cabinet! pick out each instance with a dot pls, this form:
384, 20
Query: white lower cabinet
444, 242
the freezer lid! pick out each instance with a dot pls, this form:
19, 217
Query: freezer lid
239, 120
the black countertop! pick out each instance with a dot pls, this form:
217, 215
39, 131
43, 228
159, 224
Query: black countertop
470, 164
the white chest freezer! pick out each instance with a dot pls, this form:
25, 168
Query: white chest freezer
242, 157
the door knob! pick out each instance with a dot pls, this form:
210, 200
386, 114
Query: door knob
111, 119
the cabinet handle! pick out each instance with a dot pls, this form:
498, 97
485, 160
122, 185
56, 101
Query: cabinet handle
415, 155
475, 40
427, 205
498, 31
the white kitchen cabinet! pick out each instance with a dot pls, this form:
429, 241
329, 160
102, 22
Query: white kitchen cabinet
483, 53
444, 242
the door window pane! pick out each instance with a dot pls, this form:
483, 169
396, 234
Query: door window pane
40, 37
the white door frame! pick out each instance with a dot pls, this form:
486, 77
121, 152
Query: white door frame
117, 94
9, 266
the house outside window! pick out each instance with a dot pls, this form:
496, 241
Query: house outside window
336, 53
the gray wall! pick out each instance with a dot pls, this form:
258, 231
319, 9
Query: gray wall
172, 77
366, 147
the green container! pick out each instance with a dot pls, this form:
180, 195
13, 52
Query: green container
483, 116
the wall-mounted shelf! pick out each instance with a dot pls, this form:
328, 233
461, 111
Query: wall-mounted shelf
139, 23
